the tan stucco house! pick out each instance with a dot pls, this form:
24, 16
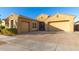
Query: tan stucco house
43, 22
21, 23
57, 22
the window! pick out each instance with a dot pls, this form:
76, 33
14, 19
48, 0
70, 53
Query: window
33, 25
11, 23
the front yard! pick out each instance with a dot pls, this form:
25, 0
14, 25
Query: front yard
41, 41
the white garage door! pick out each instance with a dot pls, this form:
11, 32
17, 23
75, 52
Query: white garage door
61, 25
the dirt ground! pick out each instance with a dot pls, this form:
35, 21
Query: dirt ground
41, 41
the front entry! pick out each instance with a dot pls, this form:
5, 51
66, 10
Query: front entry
41, 26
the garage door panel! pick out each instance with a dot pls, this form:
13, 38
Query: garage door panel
57, 26
24, 27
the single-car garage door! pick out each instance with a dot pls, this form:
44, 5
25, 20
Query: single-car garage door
24, 27
59, 25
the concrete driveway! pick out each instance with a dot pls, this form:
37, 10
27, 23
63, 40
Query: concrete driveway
41, 41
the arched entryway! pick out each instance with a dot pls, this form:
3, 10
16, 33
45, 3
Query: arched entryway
41, 26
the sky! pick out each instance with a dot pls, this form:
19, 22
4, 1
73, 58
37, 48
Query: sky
33, 12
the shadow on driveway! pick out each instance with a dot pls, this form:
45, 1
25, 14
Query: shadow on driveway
41, 32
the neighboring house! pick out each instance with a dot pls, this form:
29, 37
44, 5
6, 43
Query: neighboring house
3, 23
57, 22
21, 23
43, 22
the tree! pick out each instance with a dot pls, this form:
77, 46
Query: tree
0, 22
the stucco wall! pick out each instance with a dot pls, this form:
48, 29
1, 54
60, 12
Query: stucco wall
42, 17
13, 17
63, 22
21, 23
25, 25
31, 26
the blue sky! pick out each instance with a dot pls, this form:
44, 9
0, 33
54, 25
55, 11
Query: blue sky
33, 12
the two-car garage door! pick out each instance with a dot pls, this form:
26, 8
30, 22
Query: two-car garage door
59, 25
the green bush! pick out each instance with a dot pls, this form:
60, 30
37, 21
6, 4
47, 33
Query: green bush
9, 32
12, 30
2, 27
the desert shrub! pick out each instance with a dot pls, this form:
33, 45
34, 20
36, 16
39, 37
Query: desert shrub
1, 28
9, 32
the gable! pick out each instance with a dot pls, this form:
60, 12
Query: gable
42, 17
13, 17
60, 17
